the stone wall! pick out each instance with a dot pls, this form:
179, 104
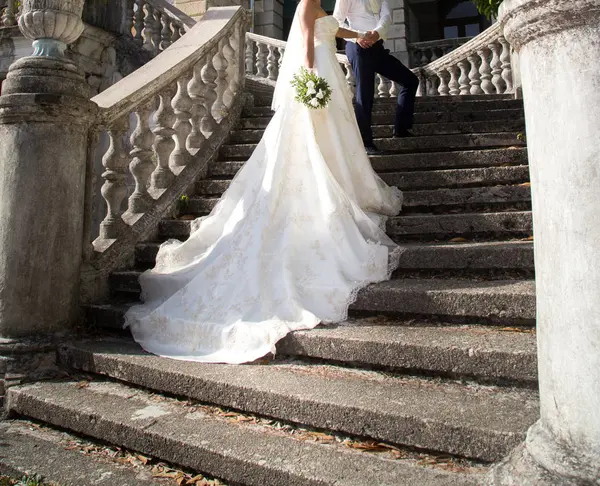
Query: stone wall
397, 34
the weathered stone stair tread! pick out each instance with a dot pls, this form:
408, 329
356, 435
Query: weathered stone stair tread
29, 449
415, 180
464, 224
412, 144
416, 161
421, 119
508, 299
240, 453
440, 256
477, 351
420, 107
473, 421
496, 299
246, 135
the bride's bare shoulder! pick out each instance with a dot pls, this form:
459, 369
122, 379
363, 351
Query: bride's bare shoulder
308, 9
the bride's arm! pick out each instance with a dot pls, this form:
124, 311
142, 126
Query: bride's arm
308, 16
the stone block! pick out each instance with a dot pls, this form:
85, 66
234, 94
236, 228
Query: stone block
269, 18
396, 30
259, 6
398, 16
193, 8
400, 45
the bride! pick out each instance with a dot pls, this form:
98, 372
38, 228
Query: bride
298, 233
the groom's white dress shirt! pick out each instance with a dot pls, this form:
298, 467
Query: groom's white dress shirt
364, 15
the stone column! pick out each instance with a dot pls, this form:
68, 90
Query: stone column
559, 47
45, 115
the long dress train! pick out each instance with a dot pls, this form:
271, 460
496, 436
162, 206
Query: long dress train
290, 243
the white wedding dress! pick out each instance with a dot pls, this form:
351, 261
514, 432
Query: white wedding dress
290, 243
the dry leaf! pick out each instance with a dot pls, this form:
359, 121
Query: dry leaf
458, 240
83, 384
525, 184
143, 459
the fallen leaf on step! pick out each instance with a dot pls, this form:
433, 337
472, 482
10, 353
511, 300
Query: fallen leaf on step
83, 384
458, 240
187, 217
525, 184
518, 329
321, 437
143, 459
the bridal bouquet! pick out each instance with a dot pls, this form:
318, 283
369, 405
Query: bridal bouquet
311, 90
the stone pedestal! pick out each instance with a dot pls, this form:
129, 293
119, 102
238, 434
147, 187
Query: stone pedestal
45, 115
558, 47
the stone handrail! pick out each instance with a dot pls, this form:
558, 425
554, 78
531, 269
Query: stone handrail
184, 102
422, 53
480, 66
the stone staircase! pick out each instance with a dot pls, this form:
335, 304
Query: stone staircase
434, 374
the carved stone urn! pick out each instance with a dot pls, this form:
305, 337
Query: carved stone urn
51, 24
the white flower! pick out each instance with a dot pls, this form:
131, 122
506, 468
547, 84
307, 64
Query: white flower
311, 91
310, 85
314, 102
320, 94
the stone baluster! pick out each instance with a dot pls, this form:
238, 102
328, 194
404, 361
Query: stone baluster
114, 190
128, 19
229, 51
157, 30
431, 86
166, 34
453, 85
182, 104
220, 64
350, 78
249, 56
261, 60
474, 79
281, 51
176, 34
424, 58
463, 81
196, 90
163, 131
496, 66
506, 67
485, 71
209, 76
139, 21
181, 29
141, 165
393, 90
421, 89
443, 88
382, 89
9, 18
148, 31
272, 63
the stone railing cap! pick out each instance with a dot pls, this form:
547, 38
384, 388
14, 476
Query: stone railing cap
175, 14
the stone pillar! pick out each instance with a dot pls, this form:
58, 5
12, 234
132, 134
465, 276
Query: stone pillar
45, 115
558, 47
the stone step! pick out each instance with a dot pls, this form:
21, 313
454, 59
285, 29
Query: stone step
245, 452
491, 300
417, 161
422, 120
508, 224
479, 422
422, 107
411, 144
514, 224
383, 131
431, 179
484, 353
460, 256
478, 352
65, 459
437, 200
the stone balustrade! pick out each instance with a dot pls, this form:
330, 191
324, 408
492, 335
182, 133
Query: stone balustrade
482, 65
181, 106
422, 53
155, 24
9, 14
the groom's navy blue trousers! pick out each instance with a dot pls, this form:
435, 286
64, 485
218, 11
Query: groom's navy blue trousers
377, 59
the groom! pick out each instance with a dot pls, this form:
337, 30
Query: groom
368, 56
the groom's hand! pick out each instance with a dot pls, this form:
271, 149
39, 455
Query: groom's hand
372, 36
364, 43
